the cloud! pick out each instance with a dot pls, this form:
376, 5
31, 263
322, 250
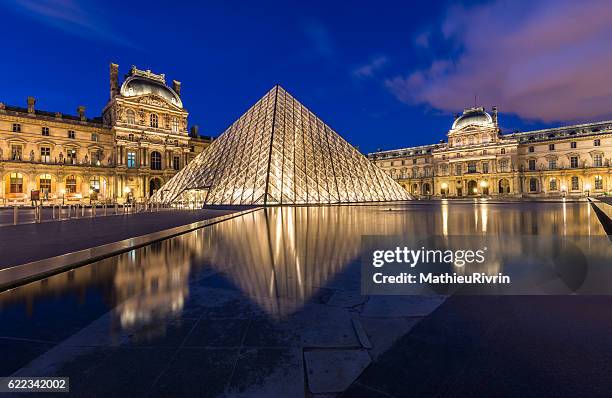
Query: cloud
368, 70
544, 60
319, 37
72, 17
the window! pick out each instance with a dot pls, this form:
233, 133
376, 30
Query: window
415, 173
71, 134
16, 183
192, 148
471, 167
71, 155
471, 140
426, 160
533, 185
131, 137
45, 183
573, 144
531, 149
532, 164
503, 151
16, 127
503, 166
154, 120
574, 162
392, 163
598, 182
131, 160
427, 172
414, 161
94, 184
16, 152
458, 170
575, 184
94, 137
156, 162
597, 160
485, 168
552, 185
45, 131
176, 163
597, 142
96, 157
552, 164
71, 184
131, 117
45, 154
551, 147
175, 125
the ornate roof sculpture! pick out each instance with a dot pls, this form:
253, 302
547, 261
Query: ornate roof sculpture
279, 153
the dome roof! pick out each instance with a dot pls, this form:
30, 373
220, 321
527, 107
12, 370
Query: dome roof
473, 116
137, 85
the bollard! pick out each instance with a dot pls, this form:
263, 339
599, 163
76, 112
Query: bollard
76, 211
104, 207
93, 210
15, 215
116, 208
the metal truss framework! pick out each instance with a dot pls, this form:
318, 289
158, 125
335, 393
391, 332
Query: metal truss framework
277, 153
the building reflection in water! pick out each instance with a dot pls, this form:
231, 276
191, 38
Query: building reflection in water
281, 257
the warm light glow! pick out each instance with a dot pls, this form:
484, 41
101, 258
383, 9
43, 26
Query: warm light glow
484, 184
62, 191
444, 185
475, 190
126, 189
587, 187
563, 188
90, 191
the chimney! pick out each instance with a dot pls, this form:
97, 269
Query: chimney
176, 86
195, 130
494, 111
81, 111
114, 80
31, 102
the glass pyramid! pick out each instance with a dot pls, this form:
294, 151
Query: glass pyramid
279, 153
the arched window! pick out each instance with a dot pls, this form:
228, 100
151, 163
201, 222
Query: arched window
175, 125
598, 182
45, 183
94, 184
154, 120
16, 183
156, 161
71, 184
552, 184
533, 185
575, 183
131, 117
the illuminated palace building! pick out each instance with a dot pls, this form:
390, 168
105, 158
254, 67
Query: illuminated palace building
140, 141
477, 160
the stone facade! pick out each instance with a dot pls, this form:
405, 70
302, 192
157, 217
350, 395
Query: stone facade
140, 141
477, 160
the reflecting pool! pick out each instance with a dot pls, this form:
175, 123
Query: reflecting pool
255, 275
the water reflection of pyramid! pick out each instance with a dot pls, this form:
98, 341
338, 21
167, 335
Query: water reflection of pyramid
279, 152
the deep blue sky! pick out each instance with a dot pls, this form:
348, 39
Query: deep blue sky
382, 74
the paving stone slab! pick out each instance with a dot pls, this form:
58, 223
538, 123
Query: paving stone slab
383, 333
331, 371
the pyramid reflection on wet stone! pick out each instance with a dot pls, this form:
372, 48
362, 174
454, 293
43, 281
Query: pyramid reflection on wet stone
279, 152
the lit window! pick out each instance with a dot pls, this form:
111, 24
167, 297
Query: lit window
16, 152
71, 184
154, 120
552, 185
156, 162
574, 162
16, 127
131, 159
45, 154
45, 131
94, 184
71, 155
45, 183
16, 183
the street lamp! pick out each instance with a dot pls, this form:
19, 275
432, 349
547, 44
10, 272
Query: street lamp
444, 187
563, 190
63, 192
587, 189
90, 192
127, 191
